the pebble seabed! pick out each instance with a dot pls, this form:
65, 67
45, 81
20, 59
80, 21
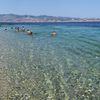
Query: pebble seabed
39, 67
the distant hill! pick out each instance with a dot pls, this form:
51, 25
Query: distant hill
41, 18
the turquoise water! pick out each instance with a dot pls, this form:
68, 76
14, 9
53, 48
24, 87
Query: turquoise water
45, 67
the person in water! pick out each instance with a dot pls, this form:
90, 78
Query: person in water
29, 32
53, 33
17, 29
22, 29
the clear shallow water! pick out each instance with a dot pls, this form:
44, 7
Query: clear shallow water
42, 67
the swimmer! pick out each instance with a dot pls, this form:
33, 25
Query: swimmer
53, 33
17, 29
22, 29
29, 32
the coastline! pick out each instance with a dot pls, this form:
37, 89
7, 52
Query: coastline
53, 22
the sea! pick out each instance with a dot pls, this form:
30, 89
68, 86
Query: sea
45, 67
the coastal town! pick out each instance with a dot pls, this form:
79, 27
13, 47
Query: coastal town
43, 18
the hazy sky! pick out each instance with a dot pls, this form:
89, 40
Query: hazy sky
68, 8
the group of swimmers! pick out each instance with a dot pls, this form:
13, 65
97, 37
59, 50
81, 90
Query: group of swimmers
22, 29
29, 32
17, 29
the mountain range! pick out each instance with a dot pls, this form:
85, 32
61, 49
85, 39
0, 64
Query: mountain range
42, 18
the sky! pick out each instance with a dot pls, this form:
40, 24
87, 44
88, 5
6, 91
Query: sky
65, 8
